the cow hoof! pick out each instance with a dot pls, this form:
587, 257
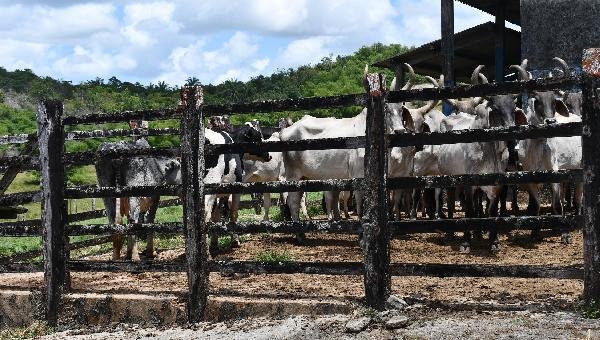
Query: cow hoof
565, 238
536, 236
300, 239
465, 248
235, 241
495, 247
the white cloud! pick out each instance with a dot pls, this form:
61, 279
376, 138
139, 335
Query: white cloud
209, 39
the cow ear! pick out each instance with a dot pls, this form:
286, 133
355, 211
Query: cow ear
561, 108
425, 128
407, 120
520, 118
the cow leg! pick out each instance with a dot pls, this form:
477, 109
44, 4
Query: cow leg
493, 194
416, 197
578, 198
303, 199
557, 208
133, 217
451, 201
149, 217
567, 193
329, 209
266, 205
344, 196
358, 198
465, 247
234, 206
503, 195
115, 217
515, 200
533, 209
439, 203
293, 202
395, 212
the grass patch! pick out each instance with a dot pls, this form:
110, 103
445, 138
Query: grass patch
269, 256
35, 330
591, 311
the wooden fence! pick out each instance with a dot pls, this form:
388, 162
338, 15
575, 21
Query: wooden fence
55, 225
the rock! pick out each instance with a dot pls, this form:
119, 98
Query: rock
394, 302
398, 321
357, 325
388, 314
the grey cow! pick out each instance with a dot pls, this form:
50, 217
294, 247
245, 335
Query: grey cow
134, 171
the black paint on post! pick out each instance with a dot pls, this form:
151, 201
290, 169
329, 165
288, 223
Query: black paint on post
54, 212
499, 37
192, 166
376, 235
590, 139
447, 46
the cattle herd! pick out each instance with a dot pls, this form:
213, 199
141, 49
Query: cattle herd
541, 107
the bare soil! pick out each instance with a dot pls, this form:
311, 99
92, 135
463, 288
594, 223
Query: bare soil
426, 248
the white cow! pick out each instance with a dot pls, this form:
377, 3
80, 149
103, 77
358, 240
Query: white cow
558, 153
335, 164
271, 171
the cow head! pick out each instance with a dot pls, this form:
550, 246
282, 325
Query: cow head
249, 134
573, 101
172, 171
545, 104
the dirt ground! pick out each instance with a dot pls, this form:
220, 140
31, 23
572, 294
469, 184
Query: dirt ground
426, 248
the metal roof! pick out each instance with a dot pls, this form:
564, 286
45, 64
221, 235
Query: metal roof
512, 8
475, 46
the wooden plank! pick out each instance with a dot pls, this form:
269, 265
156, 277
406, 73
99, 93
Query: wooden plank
276, 187
591, 169
485, 135
341, 268
508, 178
126, 229
310, 103
126, 116
124, 191
54, 212
482, 90
12, 171
406, 139
376, 234
192, 166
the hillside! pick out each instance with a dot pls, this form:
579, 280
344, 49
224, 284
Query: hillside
21, 89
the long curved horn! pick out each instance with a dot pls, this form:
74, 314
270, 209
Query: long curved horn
521, 70
393, 84
475, 75
483, 80
432, 103
563, 66
411, 75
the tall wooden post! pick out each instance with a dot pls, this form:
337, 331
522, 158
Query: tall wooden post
54, 212
192, 166
447, 46
590, 139
499, 37
376, 235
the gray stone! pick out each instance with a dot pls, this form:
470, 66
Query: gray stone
398, 321
358, 325
394, 302
387, 314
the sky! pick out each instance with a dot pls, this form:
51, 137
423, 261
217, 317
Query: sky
152, 41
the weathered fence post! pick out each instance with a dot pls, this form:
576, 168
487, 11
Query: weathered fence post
376, 235
192, 165
54, 218
590, 139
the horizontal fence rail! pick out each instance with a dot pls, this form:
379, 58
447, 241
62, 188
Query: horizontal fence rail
287, 186
342, 268
76, 135
407, 139
120, 117
311, 103
483, 90
124, 191
517, 177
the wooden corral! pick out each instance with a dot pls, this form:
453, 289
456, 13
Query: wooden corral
55, 225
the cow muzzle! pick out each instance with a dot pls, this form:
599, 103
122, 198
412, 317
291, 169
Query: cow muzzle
550, 121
